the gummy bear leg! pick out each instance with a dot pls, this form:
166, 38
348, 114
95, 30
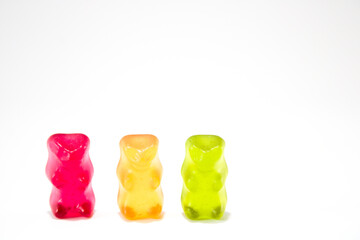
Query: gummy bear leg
217, 212
60, 211
155, 211
128, 212
85, 209
191, 213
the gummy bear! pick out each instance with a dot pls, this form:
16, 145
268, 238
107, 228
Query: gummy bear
70, 171
204, 172
139, 171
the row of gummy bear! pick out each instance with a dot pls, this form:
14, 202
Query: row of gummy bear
139, 171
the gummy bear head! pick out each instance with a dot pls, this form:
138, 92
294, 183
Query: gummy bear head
205, 150
140, 149
69, 148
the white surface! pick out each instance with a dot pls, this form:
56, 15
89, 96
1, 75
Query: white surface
280, 82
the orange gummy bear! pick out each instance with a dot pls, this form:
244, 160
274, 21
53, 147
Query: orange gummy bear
139, 171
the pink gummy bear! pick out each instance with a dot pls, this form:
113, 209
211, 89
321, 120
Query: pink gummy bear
70, 171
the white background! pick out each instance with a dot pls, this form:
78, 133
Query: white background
278, 80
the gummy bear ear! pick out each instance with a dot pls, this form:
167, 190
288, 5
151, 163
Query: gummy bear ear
149, 153
215, 154
196, 153
52, 144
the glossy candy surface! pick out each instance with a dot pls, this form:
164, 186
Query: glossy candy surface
204, 172
70, 171
139, 171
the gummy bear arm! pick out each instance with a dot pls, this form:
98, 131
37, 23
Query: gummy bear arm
57, 179
219, 181
126, 179
50, 170
118, 169
191, 183
121, 169
52, 167
86, 173
184, 170
225, 170
85, 177
190, 180
156, 177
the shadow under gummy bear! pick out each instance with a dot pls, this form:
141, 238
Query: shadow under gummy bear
223, 219
73, 219
145, 220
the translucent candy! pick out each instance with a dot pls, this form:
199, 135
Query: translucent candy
139, 171
70, 171
204, 172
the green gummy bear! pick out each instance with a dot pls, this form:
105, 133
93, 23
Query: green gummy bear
204, 172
